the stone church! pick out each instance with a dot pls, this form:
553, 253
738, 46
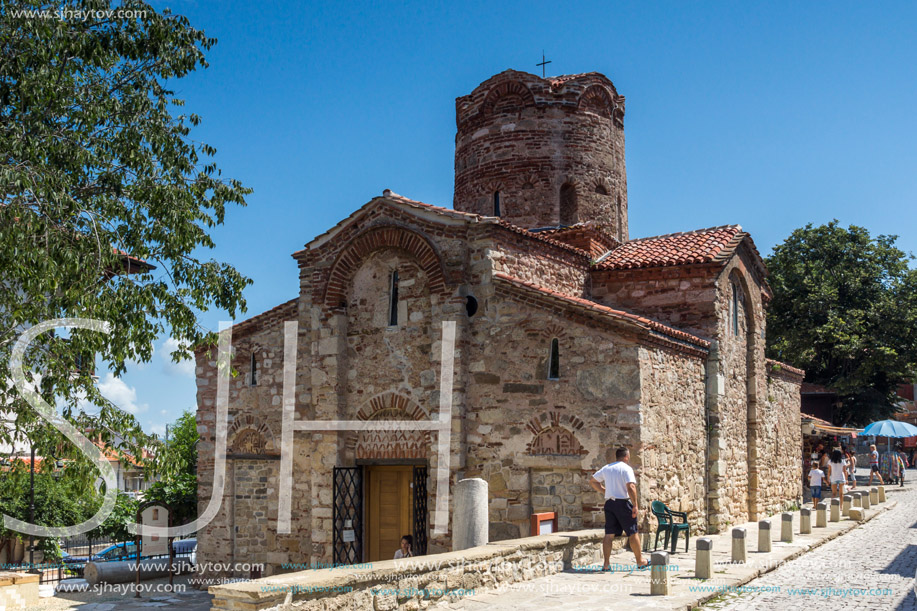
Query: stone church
571, 339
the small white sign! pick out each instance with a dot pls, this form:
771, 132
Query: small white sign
546, 527
155, 545
348, 536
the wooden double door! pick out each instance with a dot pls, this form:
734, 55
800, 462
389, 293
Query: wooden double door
389, 509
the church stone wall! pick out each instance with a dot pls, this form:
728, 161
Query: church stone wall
681, 297
780, 466
245, 529
541, 264
673, 436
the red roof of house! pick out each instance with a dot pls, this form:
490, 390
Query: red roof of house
690, 247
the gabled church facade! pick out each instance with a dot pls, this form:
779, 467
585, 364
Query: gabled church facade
570, 339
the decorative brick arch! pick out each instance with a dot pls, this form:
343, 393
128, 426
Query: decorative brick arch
596, 99
506, 90
372, 240
553, 435
381, 444
250, 435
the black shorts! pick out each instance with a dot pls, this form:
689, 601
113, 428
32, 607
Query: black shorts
619, 517
875, 468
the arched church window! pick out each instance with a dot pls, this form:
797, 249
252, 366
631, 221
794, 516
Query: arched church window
735, 309
393, 301
496, 203
554, 361
568, 212
253, 371
601, 190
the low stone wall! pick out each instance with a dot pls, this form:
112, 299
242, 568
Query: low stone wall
18, 591
415, 583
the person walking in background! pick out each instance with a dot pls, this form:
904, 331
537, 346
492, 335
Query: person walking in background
619, 485
874, 465
837, 468
816, 477
902, 465
851, 467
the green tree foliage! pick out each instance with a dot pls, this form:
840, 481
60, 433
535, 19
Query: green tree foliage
60, 498
115, 525
175, 461
845, 310
177, 454
97, 158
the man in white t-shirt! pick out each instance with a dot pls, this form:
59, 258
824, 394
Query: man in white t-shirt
619, 485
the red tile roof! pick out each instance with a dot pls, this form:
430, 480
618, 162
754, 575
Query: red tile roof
639, 321
690, 247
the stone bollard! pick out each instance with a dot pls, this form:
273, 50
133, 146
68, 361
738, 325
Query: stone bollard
764, 536
881, 494
805, 521
857, 498
835, 510
857, 513
738, 544
845, 508
703, 562
659, 574
821, 520
469, 520
786, 528
874, 496
865, 496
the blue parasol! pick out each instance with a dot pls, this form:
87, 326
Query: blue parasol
890, 428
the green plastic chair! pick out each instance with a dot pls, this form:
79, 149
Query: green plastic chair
669, 526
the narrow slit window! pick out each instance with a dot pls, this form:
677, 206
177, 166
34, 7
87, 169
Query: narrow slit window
253, 379
496, 203
393, 301
735, 310
554, 361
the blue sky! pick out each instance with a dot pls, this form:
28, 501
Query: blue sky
770, 115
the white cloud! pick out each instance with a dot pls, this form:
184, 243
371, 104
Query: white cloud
124, 396
183, 368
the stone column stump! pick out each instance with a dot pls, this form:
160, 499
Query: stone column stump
786, 527
881, 494
857, 513
874, 495
857, 498
805, 521
865, 496
738, 545
845, 508
764, 536
659, 574
835, 510
821, 519
703, 563
469, 520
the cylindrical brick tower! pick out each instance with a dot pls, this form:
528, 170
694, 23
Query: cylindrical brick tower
543, 152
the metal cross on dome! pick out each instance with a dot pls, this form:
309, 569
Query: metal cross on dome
543, 64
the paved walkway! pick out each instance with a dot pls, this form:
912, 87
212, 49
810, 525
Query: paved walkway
117, 600
584, 590
872, 567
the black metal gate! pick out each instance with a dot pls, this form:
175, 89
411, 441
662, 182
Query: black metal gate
420, 511
347, 514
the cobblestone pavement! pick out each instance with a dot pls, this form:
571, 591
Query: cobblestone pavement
872, 567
